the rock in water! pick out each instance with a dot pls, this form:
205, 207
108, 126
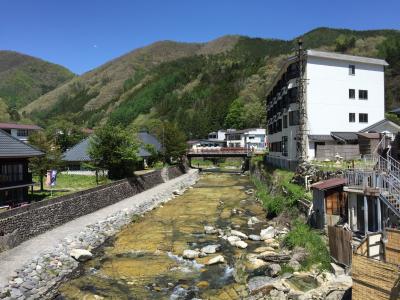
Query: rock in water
81, 254
210, 230
239, 234
274, 270
261, 284
254, 237
252, 221
240, 244
216, 260
210, 249
190, 254
232, 239
268, 233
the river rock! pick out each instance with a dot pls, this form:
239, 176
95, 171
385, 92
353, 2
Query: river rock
239, 234
299, 254
81, 254
190, 254
210, 249
254, 237
210, 230
294, 264
240, 244
263, 249
232, 239
268, 233
252, 221
274, 270
274, 257
262, 284
216, 260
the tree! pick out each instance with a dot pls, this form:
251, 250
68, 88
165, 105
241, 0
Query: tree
115, 149
64, 134
344, 42
173, 141
389, 49
235, 118
51, 160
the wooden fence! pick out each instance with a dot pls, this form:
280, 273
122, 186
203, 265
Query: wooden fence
340, 244
376, 276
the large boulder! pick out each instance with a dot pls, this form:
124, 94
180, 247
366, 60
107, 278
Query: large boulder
81, 254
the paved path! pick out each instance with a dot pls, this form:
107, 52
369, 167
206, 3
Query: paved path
15, 258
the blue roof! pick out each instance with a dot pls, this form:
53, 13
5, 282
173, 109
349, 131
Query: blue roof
79, 153
11, 147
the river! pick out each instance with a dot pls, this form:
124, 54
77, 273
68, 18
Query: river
144, 261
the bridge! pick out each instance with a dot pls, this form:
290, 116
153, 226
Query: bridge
220, 152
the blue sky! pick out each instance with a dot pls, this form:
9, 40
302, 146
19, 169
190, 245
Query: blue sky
83, 34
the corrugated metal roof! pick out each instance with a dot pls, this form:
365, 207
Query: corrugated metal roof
346, 57
329, 184
11, 147
19, 126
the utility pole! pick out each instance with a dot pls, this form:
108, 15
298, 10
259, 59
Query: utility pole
302, 134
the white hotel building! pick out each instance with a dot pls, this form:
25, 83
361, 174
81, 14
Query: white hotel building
343, 94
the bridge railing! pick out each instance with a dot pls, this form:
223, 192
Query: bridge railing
220, 150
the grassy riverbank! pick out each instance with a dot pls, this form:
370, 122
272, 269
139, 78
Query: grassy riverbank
66, 184
279, 197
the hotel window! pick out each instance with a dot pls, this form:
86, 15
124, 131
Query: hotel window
294, 118
22, 132
352, 117
363, 118
285, 124
285, 146
363, 94
352, 94
352, 70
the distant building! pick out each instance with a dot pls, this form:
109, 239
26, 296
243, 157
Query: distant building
14, 176
343, 93
77, 156
19, 131
217, 135
253, 138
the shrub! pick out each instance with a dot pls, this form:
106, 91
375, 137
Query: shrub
302, 235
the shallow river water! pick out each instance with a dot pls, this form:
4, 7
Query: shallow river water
144, 260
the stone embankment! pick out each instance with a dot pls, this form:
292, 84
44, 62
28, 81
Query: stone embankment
40, 274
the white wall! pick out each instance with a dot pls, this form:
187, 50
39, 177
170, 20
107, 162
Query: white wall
328, 103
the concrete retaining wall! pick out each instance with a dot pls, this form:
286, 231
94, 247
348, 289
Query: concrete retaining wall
23, 223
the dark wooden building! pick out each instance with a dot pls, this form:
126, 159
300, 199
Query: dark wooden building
15, 178
329, 202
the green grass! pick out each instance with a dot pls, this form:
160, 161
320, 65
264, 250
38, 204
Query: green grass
302, 235
66, 184
284, 195
200, 163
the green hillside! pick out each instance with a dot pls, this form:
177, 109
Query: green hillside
23, 79
201, 87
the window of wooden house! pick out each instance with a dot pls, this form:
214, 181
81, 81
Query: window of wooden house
335, 203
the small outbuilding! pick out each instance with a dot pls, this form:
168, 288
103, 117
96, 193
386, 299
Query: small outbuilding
329, 202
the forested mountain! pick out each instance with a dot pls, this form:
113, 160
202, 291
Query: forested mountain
201, 87
24, 78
